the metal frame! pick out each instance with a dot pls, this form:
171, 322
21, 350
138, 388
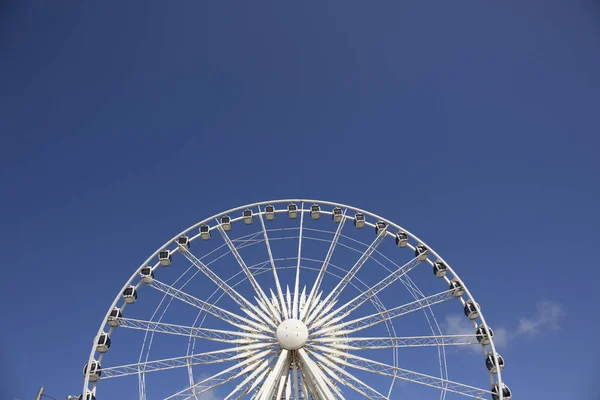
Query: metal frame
318, 370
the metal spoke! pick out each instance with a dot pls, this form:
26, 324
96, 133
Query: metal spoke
220, 378
356, 384
233, 319
231, 292
317, 284
234, 337
356, 302
411, 376
373, 343
356, 325
261, 372
317, 375
249, 275
273, 268
331, 297
269, 388
211, 357
297, 282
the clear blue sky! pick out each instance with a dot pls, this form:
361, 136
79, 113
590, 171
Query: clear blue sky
473, 125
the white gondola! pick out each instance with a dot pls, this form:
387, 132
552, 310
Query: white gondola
226, 223
248, 217
147, 275
315, 211
114, 318
95, 371
401, 239
491, 365
380, 227
506, 394
482, 336
204, 232
165, 258
88, 396
471, 310
130, 295
337, 215
103, 344
456, 288
421, 252
270, 212
292, 210
440, 269
183, 242
359, 220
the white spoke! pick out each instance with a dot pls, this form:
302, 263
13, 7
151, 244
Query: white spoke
323, 384
355, 384
211, 357
271, 383
217, 335
355, 268
233, 319
273, 269
221, 378
317, 284
283, 381
356, 325
415, 377
249, 275
356, 302
295, 375
260, 371
289, 301
231, 292
297, 282
373, 343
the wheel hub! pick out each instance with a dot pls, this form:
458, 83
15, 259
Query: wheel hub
292, 334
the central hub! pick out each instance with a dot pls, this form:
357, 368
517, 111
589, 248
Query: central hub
292, 334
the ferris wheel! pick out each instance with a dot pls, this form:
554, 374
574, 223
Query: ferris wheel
294, 299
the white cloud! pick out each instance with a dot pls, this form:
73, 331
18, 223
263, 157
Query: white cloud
548, 315
458, 325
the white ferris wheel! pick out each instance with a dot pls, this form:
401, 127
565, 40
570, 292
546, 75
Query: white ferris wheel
293, 299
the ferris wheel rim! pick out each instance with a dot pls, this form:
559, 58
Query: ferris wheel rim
377, 217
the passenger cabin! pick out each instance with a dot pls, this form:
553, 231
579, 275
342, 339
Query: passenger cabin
380, 227
184, 243
457, 288
337, 215
270, 212
506, 394
226, 223
130, 295
491, 365
315, 211
359, 220
292, 210
440, 269
114, 318
147, 275
401, 239
165, 258
471, 310
204, 232
482, 336
421, 252
248, 217
95, 371
103, 344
